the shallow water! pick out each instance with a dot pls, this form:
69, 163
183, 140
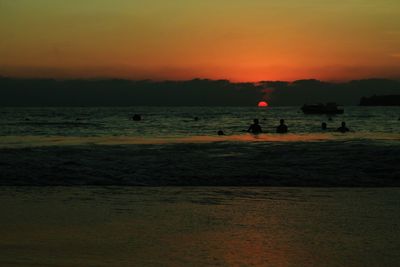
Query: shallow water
203, 226
327, 163
43, 141
179, 121
101, 146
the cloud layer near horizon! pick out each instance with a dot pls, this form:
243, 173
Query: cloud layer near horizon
197, 92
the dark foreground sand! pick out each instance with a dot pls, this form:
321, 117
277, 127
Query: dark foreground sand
203, 226
329, 163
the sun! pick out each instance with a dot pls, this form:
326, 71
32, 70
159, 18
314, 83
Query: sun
263, 104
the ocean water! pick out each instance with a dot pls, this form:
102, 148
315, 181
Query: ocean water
307, 198
171, 122
102, 146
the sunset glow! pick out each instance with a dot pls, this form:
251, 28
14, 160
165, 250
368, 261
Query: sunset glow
262, 104
237, 40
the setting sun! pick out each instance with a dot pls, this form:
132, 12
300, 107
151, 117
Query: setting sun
262, 104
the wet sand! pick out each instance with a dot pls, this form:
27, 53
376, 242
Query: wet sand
204, 226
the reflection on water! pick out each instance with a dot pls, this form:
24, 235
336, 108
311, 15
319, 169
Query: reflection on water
179, 121
37, 141
24, 127
128, 226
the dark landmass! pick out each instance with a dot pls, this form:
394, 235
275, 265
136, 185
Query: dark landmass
381, 100
329, 164
197, 92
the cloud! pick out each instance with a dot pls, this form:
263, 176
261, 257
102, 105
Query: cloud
197, 92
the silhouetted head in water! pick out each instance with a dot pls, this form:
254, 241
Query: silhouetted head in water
324, 126
220, 132
282, 128
255, 128
196, 118
137, 117
343, 128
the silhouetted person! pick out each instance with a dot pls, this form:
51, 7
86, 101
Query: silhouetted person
282, 128
136, 117
220, 132
196, 118
324, 126
343, 128
255, 128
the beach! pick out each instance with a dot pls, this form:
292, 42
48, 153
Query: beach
241, 133
199, 226
89, 187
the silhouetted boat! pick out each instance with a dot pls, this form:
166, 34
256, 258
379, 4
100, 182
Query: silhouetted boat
329, 108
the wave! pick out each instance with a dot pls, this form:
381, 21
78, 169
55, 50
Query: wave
37, 141
327, 163
58, 124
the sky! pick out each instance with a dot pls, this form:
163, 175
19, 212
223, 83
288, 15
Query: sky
239, 40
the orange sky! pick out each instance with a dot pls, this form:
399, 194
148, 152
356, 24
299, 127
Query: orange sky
240, 40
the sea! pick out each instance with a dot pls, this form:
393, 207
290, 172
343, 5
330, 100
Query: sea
180, 146
91, 187
174, 123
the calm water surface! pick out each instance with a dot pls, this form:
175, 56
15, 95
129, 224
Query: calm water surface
30, 126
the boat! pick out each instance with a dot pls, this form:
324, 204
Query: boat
329, 108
